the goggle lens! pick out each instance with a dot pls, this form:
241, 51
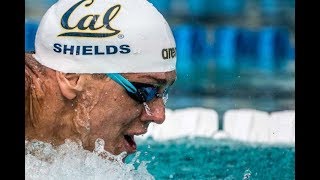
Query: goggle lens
147, 92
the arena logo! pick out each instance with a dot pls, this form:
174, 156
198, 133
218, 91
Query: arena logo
168, 53
83, 24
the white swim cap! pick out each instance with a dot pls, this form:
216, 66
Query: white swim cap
105, 36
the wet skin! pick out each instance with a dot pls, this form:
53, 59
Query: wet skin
117, 118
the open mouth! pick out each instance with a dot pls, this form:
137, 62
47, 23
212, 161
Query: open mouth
131, 143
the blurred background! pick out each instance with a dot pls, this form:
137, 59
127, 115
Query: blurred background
232, 54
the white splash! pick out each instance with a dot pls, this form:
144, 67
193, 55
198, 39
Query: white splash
147, 108
71, 162
247, 174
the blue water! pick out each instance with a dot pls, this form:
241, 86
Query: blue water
202, 158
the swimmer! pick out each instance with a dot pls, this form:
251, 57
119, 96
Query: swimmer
101, 69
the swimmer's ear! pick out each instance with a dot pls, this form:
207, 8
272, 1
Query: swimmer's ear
70, 84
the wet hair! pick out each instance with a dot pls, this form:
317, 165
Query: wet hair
32, 64
98, 76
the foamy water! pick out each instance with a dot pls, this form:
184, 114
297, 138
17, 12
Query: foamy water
71, 162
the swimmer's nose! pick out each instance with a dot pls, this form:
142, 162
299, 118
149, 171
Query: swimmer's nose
157, 111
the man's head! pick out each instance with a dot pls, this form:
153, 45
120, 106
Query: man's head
109, 66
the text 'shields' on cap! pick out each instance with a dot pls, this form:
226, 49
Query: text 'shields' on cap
105, 36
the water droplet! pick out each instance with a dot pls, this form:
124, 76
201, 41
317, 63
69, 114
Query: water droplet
147, 108
134, 159
247, 174
99, 145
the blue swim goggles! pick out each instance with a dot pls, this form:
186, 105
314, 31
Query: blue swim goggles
140, 92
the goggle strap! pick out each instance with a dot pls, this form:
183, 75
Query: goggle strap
124, 82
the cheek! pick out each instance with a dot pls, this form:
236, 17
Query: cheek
114, 113
126, 107
113, 104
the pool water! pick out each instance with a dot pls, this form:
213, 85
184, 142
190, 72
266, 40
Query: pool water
202, 158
